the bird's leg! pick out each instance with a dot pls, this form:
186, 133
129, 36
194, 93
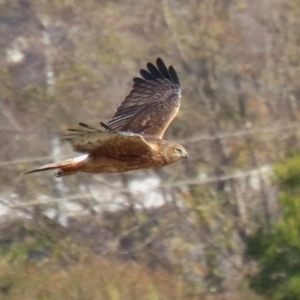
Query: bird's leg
58, 173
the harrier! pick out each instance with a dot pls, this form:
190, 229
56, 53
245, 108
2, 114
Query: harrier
132, 139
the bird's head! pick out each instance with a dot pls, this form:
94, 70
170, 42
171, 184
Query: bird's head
175, 152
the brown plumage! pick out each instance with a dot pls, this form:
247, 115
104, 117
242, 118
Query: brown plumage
133, 137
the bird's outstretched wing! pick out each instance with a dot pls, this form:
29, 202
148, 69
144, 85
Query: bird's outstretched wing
152, 103
110, 143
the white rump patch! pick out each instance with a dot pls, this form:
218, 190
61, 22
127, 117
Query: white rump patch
80, 158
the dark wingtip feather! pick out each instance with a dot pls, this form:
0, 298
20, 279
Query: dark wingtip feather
159, 61
138, 80
107, 127
163, 69
174, 75
76, 130
89, 127
146, 75
160, 71
83, 125
154, 71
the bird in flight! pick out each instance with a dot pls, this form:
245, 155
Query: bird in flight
132, 139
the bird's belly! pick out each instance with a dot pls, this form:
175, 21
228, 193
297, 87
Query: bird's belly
109, 165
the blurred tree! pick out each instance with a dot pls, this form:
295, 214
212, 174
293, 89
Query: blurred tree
278, 251
65, 61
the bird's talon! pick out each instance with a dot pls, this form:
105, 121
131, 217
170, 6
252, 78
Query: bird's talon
57, 174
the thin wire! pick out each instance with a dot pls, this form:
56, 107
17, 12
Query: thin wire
26, 160
54, 200
193, 139
239, 133
195, 181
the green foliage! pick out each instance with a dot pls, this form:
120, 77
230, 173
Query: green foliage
278, 251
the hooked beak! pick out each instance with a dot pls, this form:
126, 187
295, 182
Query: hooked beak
186, 155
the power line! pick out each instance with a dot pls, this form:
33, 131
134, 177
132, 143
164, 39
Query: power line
26, 160
193, 139
239, 133
265, 170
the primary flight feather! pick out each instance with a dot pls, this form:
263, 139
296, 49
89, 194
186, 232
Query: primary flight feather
132, 139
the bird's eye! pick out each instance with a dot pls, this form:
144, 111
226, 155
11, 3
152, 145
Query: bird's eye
177, 151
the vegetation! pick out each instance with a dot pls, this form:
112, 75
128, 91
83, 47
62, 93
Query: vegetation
277, 252
174, 233
84, 275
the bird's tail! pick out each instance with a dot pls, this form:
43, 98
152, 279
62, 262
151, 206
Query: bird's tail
66, 167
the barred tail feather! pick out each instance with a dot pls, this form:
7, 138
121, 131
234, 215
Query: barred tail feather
67, 167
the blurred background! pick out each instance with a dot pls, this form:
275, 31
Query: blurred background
223, 225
